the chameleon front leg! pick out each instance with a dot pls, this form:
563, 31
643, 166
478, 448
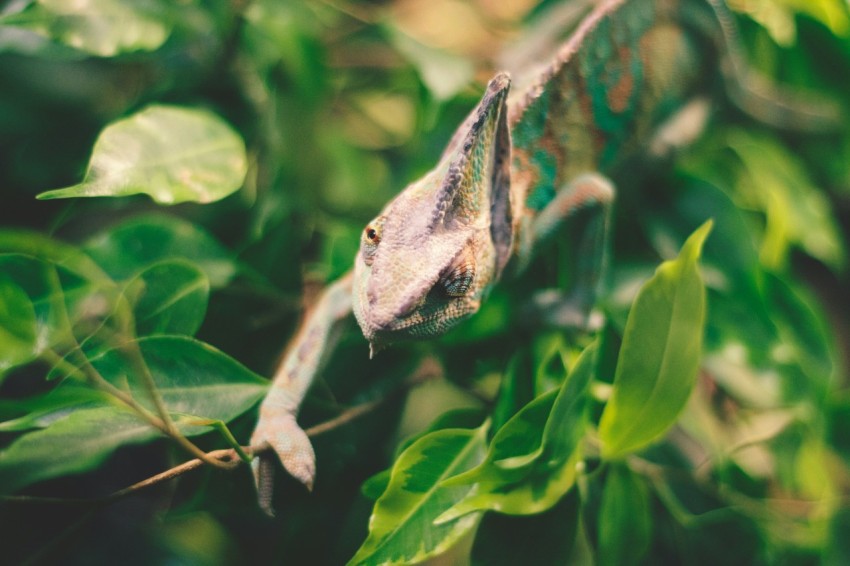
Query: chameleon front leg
277, 427
593, 194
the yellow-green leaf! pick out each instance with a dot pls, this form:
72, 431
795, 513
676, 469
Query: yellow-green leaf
660, 355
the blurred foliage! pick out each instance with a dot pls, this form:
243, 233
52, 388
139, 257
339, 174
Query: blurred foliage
119, 315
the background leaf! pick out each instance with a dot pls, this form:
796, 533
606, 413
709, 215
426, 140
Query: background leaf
17, 326
171, 154
105, 28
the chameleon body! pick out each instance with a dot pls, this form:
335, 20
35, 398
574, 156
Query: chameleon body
633, 78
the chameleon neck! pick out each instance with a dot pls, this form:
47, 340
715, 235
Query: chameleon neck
630, 65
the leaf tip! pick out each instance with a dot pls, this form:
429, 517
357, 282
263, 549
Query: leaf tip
692, 248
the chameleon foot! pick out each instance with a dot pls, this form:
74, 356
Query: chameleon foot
292, 447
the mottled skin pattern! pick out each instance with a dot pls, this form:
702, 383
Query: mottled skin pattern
634, 77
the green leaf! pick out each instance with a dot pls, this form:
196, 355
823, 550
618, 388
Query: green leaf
171, 298
105, 27
41, 411
48, 250
170, 153
61, 298
17, 326
527, 471
625, 522
402, 529
804, 333
77, 443
660, 355
192, 378
545, 538
140, 242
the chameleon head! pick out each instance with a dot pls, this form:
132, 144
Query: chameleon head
426, 261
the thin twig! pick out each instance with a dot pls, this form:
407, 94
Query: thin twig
228, 458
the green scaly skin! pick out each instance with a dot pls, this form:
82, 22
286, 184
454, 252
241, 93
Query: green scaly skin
633, 77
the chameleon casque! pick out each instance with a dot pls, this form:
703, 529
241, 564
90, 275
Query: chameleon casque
634, 78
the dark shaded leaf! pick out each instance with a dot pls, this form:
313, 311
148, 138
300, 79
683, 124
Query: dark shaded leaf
126, 249
545, 538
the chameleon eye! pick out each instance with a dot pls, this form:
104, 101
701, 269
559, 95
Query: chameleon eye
372, 234
371, 239
458, 281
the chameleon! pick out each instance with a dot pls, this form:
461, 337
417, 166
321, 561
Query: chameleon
634, 79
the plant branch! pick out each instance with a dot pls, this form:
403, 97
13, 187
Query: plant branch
98, 381
229, 458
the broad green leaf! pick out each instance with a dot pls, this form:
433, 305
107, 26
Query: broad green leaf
625, 522
545, 538
138, 243
170, 153
797, 212
171, 298
17, 326
542, 468
402, 529
660, 355
104, 27
192, 378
